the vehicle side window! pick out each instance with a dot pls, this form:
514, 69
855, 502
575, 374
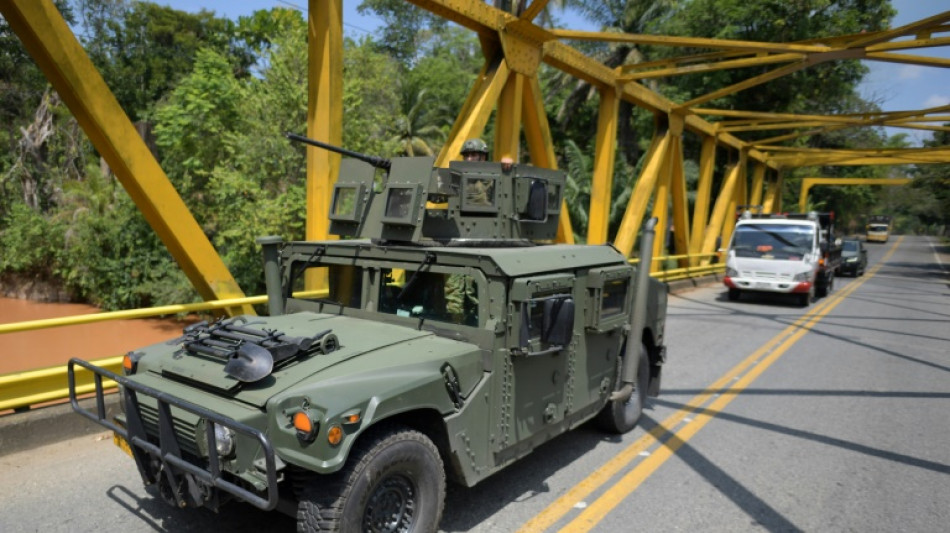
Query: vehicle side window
613, 297
547, 322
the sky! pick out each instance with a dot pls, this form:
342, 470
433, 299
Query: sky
894, 86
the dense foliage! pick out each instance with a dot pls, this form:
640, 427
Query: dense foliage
212, 97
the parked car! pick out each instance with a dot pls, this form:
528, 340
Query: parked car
854, 258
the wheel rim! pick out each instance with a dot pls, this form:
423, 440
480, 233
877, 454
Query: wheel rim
391, 507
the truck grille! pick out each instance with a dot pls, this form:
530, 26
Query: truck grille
185, 433
767, 275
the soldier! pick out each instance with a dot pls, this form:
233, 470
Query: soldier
480, 192
477, 150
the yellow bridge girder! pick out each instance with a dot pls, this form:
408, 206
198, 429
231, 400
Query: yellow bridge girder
808, 183
508, 84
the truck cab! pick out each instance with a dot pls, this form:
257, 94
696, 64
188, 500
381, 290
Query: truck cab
786, 254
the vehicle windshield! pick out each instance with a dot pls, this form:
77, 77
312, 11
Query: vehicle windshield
851, 246
773, 241
877, 227
431, 295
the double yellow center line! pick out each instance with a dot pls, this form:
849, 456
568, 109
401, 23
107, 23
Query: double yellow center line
718, 395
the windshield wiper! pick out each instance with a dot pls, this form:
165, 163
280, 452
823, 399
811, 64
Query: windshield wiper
429, 259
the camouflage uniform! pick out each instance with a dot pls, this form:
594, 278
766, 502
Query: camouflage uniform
461, 299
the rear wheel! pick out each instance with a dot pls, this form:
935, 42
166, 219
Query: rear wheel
393, 482
621, 417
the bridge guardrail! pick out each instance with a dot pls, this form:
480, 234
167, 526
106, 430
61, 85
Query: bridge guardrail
24, 389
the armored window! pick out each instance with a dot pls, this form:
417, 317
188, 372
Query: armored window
345, 285
609, 296
434, 296
554, 198
399, 204
613, 298
479, 193
547, 324
346, 200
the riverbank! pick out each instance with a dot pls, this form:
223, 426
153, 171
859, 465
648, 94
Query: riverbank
32, 350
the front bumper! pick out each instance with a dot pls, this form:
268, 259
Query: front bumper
190, 478
767, 285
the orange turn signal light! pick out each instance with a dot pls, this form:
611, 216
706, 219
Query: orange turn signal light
306, 429
335, 435
128, 365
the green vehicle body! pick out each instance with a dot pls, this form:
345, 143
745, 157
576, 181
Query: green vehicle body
536, 348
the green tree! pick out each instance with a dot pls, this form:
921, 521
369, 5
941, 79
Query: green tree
412, 135
371, 98
142, 49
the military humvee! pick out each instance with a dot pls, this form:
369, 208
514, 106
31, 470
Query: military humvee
451, 342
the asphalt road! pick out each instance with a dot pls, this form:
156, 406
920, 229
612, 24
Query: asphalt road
772, 417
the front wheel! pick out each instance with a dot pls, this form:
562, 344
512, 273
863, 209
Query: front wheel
394, 481
733, 294
621, 417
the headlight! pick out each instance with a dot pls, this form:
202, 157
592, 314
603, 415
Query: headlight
223, 440
803, 276
851, 260
731, 272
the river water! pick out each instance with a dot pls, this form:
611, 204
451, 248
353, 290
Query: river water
32, 350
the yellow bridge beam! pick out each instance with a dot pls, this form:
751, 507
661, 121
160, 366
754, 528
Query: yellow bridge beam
324, 119
62, 59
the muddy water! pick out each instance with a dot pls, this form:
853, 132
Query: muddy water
31, 350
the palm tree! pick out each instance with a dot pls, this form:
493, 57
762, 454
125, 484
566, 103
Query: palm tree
417, 128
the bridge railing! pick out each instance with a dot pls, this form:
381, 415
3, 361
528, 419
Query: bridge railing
22, 390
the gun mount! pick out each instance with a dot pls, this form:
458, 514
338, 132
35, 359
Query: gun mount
467, 204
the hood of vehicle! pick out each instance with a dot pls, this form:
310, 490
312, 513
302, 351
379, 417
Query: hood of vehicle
374, 343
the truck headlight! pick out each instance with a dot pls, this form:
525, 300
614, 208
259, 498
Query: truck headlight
802, 276
731, 272
223, 440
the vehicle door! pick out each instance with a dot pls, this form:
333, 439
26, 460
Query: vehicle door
542, 348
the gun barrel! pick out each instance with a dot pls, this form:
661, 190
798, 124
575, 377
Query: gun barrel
376, 161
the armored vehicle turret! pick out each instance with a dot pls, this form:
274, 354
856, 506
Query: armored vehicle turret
453, 338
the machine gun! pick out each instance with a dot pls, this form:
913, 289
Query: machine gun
376, 161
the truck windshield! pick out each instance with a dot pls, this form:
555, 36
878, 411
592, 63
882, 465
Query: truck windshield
773, 241
877, 227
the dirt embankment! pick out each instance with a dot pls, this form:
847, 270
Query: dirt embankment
37, 290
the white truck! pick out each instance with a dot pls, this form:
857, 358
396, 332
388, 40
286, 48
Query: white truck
790, 254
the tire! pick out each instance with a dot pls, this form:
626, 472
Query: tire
619, 418
827, 285
393, 481
805, 299
734, 294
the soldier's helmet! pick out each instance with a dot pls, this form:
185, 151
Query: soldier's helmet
475, 146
